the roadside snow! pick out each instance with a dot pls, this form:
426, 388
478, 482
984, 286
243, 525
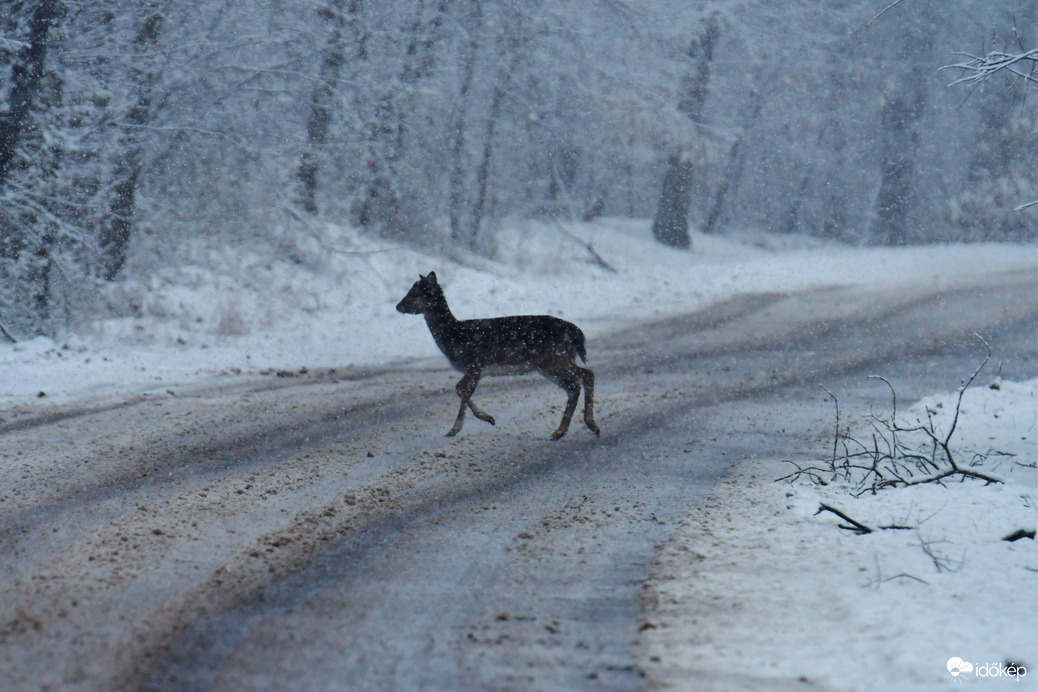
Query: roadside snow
758, 590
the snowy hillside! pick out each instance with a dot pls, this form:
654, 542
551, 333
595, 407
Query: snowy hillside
252, 315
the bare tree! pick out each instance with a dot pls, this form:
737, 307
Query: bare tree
462, 231
904, 102
320, 103
514, 47
26, 245
997, 153
27, 77
385, 205
143, 75
736, 162
670, 224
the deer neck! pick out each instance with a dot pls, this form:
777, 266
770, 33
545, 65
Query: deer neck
442, 324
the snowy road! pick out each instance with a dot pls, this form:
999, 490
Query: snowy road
318, 531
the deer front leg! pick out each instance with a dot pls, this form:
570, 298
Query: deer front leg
465, 389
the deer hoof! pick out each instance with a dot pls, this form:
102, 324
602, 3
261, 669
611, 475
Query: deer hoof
557, 434
490, 419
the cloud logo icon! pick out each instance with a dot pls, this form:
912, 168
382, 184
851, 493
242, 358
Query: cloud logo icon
956, 666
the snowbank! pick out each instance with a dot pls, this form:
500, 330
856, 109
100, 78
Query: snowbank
758, 590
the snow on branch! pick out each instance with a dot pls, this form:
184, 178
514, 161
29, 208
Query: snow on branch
977, 69
12, 45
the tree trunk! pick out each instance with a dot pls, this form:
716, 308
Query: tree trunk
26, 243
26, 75
462, 234
897, 172
321, 104
670, 224
38, 282
493, 114
736, 162
115, 235
736, 159
792, 223
900, 117
385, 204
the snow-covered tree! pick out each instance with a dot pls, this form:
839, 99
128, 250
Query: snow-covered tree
1001, 171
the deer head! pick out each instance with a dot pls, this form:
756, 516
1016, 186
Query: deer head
424, 295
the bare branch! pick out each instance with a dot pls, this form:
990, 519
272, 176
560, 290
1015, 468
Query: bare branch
943, 563
903, 575
982, 68
855, 526
595, 257
884, 11
899, 455
962, 389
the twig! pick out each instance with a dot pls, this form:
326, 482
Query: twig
812, 472
965, 386
903, 575
884, 11
7, 335
941, 562
856, 526
599, 260
955, 471
836, 440
981, 68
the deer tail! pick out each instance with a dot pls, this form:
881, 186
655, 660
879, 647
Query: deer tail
579, 344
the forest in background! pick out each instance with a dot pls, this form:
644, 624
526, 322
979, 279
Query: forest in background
137, 134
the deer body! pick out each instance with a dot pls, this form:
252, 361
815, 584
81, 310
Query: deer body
505, 346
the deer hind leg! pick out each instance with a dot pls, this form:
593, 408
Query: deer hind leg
465, 389
569, 380
572, 388
588, 378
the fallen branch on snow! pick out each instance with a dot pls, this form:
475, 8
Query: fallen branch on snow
898, 455
855, 526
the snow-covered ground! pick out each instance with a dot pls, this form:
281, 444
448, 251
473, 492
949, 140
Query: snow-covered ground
754, 582
758, 590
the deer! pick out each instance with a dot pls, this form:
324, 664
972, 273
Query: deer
513, 345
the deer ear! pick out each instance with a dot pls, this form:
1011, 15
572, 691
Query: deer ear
431, 277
